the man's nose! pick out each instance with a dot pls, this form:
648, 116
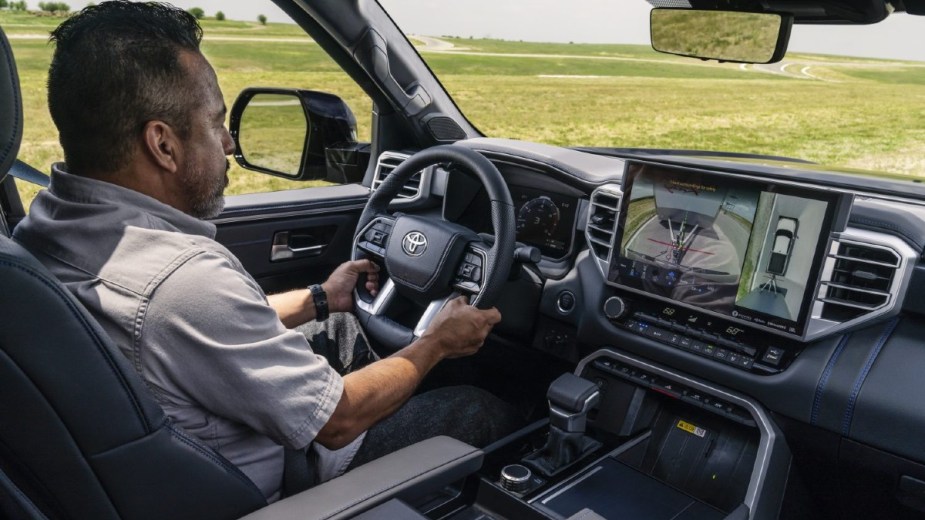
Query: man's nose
227, 143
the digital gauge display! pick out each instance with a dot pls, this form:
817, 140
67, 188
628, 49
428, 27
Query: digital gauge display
544, 220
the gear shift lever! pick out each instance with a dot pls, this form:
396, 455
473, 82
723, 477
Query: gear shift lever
570, 399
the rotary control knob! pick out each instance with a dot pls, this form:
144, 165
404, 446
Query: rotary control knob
516, 478
615, 308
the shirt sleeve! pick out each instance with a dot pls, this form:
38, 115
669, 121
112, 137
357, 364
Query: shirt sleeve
209, 337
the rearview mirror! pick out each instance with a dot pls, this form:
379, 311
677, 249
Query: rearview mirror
721, 35
297, 134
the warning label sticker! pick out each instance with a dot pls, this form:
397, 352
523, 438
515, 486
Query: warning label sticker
690, 428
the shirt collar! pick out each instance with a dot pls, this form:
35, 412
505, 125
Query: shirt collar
86, 190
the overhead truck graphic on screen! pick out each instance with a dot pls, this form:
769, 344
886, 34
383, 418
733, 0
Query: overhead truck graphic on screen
783, 245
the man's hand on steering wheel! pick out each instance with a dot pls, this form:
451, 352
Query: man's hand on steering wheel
460, 329
339, 286
428, 258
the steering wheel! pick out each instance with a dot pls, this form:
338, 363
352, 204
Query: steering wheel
430, 260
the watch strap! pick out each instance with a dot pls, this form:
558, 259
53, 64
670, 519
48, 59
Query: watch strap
321, 302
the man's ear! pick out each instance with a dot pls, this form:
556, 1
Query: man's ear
162, 145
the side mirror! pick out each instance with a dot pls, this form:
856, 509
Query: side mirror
721, 35
297, 134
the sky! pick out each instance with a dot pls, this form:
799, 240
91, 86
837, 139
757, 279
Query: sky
593, 21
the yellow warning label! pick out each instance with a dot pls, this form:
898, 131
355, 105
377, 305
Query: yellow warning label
690, 428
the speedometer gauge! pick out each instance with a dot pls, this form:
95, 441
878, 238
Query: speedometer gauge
538, 217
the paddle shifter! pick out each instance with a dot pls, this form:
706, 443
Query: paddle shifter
570, 399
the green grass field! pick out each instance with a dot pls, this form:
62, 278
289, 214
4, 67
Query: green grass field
863, 113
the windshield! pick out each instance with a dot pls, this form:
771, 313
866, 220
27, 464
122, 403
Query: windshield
582, 73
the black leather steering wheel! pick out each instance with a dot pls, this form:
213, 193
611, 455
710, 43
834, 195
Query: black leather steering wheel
430, 260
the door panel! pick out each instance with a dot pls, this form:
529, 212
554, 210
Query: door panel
292, 239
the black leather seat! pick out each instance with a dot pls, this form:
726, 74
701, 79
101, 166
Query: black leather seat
79, 435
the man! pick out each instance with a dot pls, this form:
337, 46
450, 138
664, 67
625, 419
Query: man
141, 121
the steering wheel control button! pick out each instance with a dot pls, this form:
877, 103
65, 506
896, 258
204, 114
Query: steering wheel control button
466, 270
565, 303
615, 308
516, 478
474, 259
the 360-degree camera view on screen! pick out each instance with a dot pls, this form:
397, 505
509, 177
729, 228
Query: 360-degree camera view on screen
727, 246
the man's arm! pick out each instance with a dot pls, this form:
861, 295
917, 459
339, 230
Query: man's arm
379, 389
297, 307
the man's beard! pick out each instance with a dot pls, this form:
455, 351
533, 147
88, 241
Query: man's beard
208, 194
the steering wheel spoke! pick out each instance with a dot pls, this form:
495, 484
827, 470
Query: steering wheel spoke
382, 301
430, 313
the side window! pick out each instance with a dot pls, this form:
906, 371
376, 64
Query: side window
277, 55
257, 46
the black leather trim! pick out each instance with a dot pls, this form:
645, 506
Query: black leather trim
391, 335
569, 392
10, 108
16, 504
884, 217
824, 379
862, 376
411, 471
90, 330
87, 441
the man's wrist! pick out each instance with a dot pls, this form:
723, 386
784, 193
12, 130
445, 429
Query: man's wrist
320, 300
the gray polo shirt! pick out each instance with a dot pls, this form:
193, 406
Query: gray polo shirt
190, 319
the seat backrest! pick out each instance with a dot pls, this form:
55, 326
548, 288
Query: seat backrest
79, 434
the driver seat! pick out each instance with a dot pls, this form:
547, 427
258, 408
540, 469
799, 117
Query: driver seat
79, 435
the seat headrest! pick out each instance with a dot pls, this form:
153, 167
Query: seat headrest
10, 107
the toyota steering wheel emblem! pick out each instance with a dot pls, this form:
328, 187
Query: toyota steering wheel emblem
414, 243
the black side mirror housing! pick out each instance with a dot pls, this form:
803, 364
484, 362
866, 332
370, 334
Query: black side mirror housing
297, 134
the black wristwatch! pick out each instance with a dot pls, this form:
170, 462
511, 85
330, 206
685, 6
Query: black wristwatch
321, 302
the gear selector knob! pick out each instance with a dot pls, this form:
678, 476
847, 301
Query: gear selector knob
570, 399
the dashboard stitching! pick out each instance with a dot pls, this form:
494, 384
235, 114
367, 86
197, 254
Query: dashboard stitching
852, 399
829, 367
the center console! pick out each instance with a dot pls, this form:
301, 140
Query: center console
657, 445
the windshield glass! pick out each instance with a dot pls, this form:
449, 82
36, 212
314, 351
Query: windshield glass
582, 73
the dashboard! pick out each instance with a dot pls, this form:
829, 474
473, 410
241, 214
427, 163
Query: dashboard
779, 280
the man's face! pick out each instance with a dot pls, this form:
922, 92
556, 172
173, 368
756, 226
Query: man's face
204, 171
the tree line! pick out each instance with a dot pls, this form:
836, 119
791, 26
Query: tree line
63, 8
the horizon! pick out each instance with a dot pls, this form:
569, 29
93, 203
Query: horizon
593, 21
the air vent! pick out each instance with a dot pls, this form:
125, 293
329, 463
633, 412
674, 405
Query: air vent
860, 282
388, 161
602, 221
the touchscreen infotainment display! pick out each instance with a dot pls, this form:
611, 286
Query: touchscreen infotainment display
742, 248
